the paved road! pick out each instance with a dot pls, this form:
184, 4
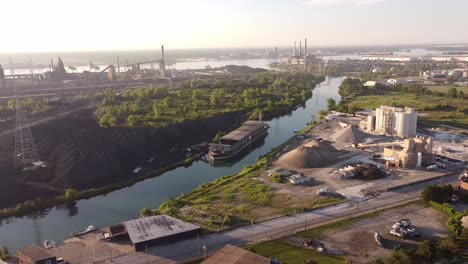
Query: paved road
280, 227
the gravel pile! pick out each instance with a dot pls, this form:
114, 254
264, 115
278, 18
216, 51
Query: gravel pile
310, 155
350, 134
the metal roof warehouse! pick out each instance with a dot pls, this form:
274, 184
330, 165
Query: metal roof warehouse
153, 230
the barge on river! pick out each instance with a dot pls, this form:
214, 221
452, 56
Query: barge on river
231, 144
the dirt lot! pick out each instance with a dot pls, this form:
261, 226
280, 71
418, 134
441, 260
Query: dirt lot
324, 177
91, 248
357, 240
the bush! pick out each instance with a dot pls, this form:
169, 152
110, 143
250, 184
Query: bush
4, 253
146, 212
278, 178
438, 194
71, 195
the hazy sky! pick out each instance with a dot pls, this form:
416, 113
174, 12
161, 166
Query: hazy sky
49, 25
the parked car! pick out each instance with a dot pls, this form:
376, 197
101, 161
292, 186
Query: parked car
395, 232
413, 231
396, 225
323, 191
405, 222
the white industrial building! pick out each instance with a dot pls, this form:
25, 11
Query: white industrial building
395, 121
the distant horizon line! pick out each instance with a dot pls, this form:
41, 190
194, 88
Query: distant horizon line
167, 48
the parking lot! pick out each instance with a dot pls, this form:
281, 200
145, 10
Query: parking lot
357, 241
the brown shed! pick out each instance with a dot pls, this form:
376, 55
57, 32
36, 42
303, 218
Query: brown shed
35, 255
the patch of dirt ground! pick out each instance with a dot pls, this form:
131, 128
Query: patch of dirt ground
357, 240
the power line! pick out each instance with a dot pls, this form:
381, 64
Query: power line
25, 148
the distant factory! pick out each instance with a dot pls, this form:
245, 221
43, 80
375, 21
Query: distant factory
303, 59
57, 72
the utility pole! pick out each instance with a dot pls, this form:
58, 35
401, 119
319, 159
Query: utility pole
204, 251
198, 244
146, 253
252, 229
305, 224
294, 219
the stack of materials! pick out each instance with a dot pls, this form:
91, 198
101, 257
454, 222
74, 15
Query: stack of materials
350, 134
310, 155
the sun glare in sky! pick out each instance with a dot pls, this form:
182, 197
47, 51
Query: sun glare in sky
57, 25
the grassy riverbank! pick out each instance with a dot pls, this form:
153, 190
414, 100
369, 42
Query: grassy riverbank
238, 199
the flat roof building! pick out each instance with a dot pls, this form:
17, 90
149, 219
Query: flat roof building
154, 230
35, 255
234, 255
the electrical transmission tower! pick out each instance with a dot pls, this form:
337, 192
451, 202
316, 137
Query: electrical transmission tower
25, 147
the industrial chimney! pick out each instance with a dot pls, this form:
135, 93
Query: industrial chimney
162, 63
300, 48
305, 47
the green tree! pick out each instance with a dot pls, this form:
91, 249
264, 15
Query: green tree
321, 114
4, 252
331, 104
400, 257
146, 212
452, 92
108, 120
169, 102
461, 95
71, 195
438, 194
197, 95
133, 121
425, 249
11, 104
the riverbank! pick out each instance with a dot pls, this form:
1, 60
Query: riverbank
202, 130
241, 198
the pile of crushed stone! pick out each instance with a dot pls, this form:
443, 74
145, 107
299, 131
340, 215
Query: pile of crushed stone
313, 154
350, 134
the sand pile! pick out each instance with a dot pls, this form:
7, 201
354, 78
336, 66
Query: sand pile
310, 155
350, 134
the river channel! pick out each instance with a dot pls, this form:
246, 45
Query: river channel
121, 205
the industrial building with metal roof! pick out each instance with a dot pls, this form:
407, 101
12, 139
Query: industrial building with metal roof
150, 231
35, 255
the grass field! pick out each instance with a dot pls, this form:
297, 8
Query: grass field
289, 254
315, 232
445, 88
422, 103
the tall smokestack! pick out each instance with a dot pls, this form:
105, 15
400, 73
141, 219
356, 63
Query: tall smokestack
162, 66
295, 50
305, 55
305, 46
300, 48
